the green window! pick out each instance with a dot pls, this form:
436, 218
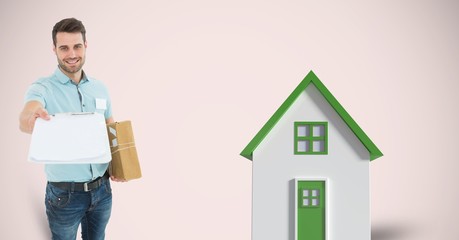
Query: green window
311, 138
310, 198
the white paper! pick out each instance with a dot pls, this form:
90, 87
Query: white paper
70, 138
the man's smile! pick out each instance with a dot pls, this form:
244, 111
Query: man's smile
72, 61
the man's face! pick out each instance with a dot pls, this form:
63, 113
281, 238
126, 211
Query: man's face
70, 50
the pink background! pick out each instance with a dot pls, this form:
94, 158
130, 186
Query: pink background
199, 78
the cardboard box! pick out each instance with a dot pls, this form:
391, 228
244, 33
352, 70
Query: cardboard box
125, 163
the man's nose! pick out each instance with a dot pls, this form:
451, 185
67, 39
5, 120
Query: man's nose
72, 53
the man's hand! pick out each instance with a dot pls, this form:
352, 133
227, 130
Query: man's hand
32, 110
117, 179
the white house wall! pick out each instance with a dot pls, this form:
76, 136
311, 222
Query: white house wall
346, 168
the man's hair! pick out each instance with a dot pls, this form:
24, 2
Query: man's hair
69, 25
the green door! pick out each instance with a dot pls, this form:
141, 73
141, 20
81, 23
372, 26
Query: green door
311, 210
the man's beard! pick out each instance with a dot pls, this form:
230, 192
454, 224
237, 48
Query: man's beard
71, 70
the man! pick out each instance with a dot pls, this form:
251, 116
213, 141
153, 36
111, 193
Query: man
75, 193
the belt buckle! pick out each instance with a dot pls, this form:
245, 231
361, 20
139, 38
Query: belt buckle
85, 187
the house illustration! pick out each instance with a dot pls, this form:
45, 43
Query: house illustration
311, 178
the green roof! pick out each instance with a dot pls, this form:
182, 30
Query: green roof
311, 78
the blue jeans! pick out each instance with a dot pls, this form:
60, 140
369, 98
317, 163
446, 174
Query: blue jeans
66, 209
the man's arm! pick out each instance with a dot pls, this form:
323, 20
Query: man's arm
32, 110
109, 120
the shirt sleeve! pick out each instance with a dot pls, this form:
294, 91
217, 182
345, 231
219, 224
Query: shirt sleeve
36, 92
108, 112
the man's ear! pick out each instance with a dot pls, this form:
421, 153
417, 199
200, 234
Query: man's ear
54, 49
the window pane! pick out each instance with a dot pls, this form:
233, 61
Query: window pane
315, 202
306, 202
303, 131
305, 193
303, 146
318, 146
315, 193
318, 130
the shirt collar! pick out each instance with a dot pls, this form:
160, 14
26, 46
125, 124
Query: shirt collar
64, 79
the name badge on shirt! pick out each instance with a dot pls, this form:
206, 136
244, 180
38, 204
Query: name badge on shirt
101, 104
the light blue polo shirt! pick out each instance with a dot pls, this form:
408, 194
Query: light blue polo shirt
58, 94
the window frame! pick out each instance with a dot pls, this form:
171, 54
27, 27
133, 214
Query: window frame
310, 198
310, 138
